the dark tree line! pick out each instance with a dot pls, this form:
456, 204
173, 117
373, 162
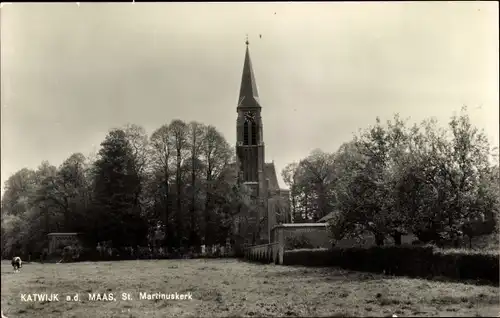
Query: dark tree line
177, 188
173, 189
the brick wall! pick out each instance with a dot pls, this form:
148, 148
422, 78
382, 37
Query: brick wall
315, 234
318, 235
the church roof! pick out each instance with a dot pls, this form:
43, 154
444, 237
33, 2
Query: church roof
270, 173
249, 95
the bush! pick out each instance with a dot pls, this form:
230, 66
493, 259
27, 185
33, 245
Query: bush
308, 257
297, 242
468, 264
413, 261
89, 254
71, 253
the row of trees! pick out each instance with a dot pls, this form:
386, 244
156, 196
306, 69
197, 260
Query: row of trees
176, 188
393, 179
173, 188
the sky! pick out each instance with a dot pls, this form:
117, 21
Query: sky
70, 72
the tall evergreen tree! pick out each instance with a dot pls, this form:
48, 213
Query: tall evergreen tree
116, 181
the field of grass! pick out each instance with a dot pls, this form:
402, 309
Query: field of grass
230, 287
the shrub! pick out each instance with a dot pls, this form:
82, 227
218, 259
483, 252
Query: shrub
308, 257
413, 261
71, 253
89, 254
297, 242
481, 265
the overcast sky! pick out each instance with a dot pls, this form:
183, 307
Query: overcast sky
70, 73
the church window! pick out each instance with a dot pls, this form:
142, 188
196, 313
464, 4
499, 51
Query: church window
254, 133
245, 133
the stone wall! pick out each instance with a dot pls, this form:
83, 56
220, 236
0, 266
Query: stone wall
318, 236
273, 252
315, 234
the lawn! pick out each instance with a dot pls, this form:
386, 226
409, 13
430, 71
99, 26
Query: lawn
234, 288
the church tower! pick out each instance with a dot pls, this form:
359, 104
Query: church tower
250, 139
269, 201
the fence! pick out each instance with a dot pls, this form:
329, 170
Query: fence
265, 253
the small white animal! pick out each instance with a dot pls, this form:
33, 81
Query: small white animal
17, 263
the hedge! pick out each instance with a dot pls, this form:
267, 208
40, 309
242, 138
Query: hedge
412, 261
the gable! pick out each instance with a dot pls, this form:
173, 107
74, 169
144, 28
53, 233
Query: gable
270, 173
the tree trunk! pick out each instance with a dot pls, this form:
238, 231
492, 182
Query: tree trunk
166, 211
66, 214
397, 238
207, 234
192, 225
137, 194
47, 219
379, 239
180, 221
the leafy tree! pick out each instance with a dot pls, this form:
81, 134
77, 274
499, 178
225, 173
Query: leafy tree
116, 182
216, 155
19, 190
162, 151
179, 140
433, 182
290, 176
139, 144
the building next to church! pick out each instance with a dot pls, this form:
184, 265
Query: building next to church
251, 169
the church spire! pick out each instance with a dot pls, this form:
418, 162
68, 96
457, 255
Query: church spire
249, 96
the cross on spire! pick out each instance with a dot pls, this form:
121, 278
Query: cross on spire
246, 40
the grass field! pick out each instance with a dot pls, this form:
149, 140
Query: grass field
234, 288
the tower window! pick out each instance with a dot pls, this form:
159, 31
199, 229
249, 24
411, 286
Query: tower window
254, 133
245, 133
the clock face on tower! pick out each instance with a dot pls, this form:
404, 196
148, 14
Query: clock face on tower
249, 116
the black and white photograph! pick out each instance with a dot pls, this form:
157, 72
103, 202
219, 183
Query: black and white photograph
250, 159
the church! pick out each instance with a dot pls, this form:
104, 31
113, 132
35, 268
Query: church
251, 169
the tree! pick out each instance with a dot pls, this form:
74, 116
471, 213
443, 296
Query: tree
26, 214
318, 174
179, 140
392, 179
116, 183
311, 185
138, 140
216, 155
19, 190
65, 189
195, 144
161, 156
290, 177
